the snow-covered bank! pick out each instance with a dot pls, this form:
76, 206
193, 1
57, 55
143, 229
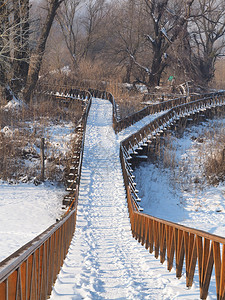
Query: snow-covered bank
26, 210
104, 261
181, 194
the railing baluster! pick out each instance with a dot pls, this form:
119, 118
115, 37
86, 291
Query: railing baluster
192, 258
180, 255
200, 259
151, 236
205, 255
222, 275
156, 238
207, 274
217, 263
162, 243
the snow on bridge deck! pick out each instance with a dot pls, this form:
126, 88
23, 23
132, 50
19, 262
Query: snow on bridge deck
104, 261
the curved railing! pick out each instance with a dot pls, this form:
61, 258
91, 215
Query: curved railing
30, 272
182, 246
171, 115
63, 92
120, 124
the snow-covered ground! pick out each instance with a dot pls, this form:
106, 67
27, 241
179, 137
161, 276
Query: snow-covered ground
26, 210
104, 261
181, 194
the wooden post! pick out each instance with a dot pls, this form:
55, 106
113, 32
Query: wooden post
42, 159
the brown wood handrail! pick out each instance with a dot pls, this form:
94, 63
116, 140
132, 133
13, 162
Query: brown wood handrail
170, 241
30, 272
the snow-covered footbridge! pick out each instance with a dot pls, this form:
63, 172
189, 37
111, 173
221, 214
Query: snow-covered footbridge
103, 260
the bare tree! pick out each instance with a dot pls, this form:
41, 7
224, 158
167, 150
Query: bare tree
92, 22
21, 41
165, 21
207, 33
14, 43
4, 42
126, 34
68, 19
37, 54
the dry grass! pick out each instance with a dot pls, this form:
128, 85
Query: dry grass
20, 135
215, 158
203, 163
219, 79
129, 101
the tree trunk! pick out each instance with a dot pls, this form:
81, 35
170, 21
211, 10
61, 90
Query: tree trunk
4, 49
21, 43
37, 55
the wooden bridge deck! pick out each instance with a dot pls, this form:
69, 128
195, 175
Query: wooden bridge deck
104, 261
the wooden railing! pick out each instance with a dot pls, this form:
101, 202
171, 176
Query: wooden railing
154, 108
118, 123
30, 272
148, 131
63, 92
181, 246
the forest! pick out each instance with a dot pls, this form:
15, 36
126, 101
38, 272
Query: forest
138, 42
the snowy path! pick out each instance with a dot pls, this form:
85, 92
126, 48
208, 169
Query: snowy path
104, 261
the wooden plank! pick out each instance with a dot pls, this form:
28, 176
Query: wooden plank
168, 243
205, 256
147, 233
140, 228
143, 240
222, 275
137, 227
192, 256
19, 295
217, 262
207, 274
176, 243
200, 259
23, 269
156, 238
180, 256
162, 243
12, 284
3, 290
151, 236
172, 249
43, 272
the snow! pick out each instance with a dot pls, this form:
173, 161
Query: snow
150, 38
104, 261
59, 136
137, 126
26, 210
7, 131
13, 104
172, 194
154, 18
164, 32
